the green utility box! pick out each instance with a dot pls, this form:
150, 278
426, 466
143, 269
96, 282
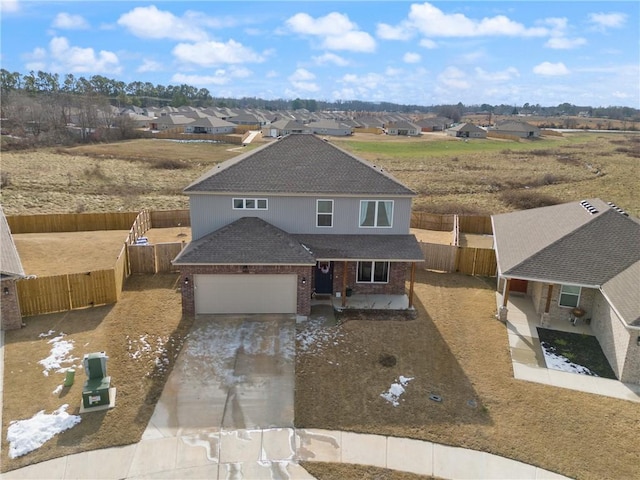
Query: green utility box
95, 392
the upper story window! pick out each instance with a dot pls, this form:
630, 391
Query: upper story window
324, 213
376, 213
569, 296
249, 203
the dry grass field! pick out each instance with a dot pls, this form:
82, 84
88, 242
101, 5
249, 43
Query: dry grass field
454, 348
450, 176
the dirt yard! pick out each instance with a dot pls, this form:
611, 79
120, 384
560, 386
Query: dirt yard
141, 335
456, 349
45, 254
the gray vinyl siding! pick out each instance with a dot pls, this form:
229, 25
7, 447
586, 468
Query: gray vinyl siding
294, 214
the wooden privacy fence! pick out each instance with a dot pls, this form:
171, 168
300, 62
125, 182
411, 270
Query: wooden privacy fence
451, 258
170, 218
67, 292
432, 221
70, 222
153, 258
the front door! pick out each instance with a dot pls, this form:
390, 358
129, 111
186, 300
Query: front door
324, 278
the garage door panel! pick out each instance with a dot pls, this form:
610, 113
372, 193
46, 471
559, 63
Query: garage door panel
245, 293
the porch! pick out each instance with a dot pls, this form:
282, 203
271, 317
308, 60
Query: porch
528, 360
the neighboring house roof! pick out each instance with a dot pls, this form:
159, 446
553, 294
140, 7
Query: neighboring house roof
362, 247
515, 126
403, 124
211, 122
589, 243
466, 127
301, 163
10, 264
247, 241
290, 125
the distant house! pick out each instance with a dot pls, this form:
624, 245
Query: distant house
403, 128
330, 127
518, 129
434, 124
295, 218
168, 122
245, 118
10, 272
580, 255
210, 125
283, 127
467, 130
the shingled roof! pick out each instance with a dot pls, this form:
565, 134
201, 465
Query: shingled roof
300, 163
589, 243
10, 264
247, 241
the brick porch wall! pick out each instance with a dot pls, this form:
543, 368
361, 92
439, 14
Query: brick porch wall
304, 290
10, 305
396, 286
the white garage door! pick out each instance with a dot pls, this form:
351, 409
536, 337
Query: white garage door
245, 293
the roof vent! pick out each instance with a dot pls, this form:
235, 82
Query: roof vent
588, 207
617, 209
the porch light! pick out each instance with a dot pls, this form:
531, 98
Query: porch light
6, 292
639, 340
186, 280
304, 280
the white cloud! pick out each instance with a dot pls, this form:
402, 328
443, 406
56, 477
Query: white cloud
62, 57
303, 80
8, 6
221, 76
149, 66
427, 43
500, 76
551, 69
69, 22
411, 57
453, 77
149, 22
389, 32
433, 22
207, 54
607, 20
563, 43
330, 58
335, 31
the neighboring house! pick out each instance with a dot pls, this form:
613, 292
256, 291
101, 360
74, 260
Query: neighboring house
168, 122
582, 255
210, 125
434, 124
330, 127
518, 129
10, 272
294, 218
403, 128
467, 130
283, 127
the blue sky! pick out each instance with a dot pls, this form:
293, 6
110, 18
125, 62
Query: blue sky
424, 53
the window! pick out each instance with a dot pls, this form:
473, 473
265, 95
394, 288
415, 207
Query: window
249, 203
324, 213
373, 272
376, 213
569, 296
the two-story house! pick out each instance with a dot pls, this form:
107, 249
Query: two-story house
296, 217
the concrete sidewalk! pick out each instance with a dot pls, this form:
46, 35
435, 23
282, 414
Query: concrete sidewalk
274, 453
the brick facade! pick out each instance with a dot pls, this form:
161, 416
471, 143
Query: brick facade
10, 305
304, 289
395, 286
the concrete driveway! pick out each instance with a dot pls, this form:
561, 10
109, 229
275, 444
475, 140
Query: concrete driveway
235, 372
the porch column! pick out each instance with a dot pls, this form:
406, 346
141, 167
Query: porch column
505, 294
544, 318
412, 281
344, 283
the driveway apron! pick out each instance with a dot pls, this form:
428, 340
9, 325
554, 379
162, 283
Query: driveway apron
235, 372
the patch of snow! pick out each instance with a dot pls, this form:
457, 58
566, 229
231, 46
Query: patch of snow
558, 362
313, 336
396, 390
154, 349
57, 390
24, 436
48, 334
58, 355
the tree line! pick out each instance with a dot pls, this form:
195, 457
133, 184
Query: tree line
146, 94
